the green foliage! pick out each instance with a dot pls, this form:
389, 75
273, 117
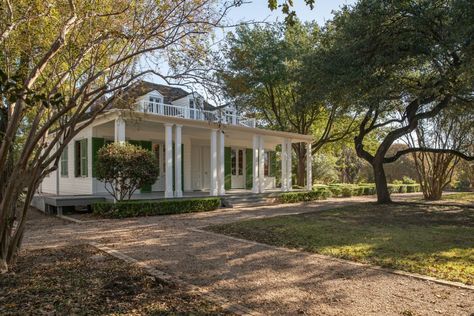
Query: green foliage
151, 208
403, 189
408, 180
294, 197
325, 168
335, 190
124, 168
347, 191
400, 63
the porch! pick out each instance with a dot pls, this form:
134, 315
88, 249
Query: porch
198, 156
195, 157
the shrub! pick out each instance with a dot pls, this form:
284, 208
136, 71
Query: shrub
151, 208
124, 168
393, 188
408, 180
397, 182
402, 188
294, 197
368, 189
413, 188
360, 190
347, 191
335, 190
325, 192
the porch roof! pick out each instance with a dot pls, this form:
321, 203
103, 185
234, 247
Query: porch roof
127, 114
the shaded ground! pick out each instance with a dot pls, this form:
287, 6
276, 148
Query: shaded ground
449, 198
80, 280
430, 240
271, 281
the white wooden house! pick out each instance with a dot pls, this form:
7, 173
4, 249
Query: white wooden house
200, 148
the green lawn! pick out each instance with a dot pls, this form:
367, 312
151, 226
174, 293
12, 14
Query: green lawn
427, 239
465, 197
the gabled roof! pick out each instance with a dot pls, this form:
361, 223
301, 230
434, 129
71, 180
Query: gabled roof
142, 87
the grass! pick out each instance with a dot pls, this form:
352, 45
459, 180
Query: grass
463, 197
82, 280
426, 239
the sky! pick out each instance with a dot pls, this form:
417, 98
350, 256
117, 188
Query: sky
258, 10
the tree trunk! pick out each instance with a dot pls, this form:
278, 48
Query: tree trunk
383, 194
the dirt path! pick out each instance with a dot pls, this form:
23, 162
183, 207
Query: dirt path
269, 280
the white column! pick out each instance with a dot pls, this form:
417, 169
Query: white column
261, 165
289, 153
169, 160
284, 177
221, 163
213, 182
178, 156
309, 167
119, 132
255, 174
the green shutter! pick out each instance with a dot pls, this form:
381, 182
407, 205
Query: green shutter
84, 158
145, 144
248, 168
77, 160
64, 162
227, 167
182, 167
97, 143
272, 163
135, 143
148, 146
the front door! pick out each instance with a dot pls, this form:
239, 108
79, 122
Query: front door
237, 156
206, 167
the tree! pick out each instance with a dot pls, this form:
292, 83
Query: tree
349, 165
124, 168
401, 63
447, 131
64, 63
264, 73
286, 7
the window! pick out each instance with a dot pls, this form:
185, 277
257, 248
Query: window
237, 162
64, 165
266, 164
80, 156
153, 104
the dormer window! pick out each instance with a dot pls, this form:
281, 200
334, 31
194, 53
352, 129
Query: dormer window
192, 109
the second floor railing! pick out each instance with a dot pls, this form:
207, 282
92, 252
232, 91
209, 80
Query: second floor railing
194, 114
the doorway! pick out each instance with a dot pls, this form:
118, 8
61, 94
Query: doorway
237, 157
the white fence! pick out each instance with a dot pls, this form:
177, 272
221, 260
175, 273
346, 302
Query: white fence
194, 114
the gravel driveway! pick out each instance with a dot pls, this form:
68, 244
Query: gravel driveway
268, 280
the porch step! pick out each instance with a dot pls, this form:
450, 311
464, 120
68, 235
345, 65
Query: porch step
248, 200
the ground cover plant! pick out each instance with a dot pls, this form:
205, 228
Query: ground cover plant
82, 280
431, 240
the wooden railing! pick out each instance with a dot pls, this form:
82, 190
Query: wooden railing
194, 114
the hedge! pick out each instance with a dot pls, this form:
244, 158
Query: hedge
348, 190
150, 208
294, 197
